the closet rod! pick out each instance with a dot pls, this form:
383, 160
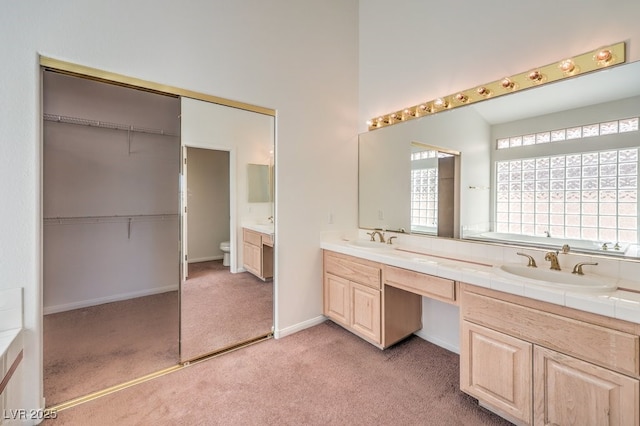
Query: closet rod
114, 218
103, 124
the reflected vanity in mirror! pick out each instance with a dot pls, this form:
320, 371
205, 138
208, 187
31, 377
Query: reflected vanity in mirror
544, 166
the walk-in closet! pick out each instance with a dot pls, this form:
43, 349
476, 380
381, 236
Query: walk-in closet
111, 234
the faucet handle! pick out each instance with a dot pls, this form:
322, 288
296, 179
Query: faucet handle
390, 239
578, 268
531, 263
372, 235
604, 245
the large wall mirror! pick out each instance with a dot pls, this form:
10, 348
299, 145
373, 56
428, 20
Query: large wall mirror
545, 166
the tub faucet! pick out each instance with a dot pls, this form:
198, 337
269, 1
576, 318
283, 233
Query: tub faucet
553, 258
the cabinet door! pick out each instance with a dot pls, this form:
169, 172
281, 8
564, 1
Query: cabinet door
251, 259
496, 369
569, 391
336, 299
365, 311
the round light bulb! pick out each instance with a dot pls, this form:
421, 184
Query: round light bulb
567, 66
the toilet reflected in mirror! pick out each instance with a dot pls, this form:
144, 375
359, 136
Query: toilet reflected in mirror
225, 247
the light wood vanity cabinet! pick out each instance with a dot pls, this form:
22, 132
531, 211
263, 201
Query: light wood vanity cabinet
352, 294
426, 285
496, 369
569, 391
257, 253
542, 364
355, 298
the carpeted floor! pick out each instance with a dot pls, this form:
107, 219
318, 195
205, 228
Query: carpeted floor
89, 349
220, 309
320, 376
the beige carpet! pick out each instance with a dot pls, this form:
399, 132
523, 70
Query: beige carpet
320, 376
220, 309
89, 349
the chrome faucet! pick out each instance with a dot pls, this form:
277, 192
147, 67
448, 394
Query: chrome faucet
532, 261
605, 246
270, 219
578, 268
374, 233
553, 258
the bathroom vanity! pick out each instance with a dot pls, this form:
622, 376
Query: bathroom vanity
532, 355
257, 251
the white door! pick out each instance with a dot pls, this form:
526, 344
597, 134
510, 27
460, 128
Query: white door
183, 206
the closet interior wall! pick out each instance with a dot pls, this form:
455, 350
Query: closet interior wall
111, 195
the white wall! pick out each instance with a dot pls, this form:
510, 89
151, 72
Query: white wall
208, 201
415, 51
419, 50
298, 57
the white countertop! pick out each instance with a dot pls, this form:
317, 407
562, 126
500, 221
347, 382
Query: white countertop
620, 304
262, 228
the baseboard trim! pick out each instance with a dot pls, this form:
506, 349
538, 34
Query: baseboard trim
438, 341
101, 300
206, 259
299, 327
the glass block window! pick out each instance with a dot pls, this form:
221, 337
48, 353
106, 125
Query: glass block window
424, 197
421, 155
589, 195
587, 131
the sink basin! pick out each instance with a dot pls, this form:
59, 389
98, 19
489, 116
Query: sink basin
563, 280
369, 245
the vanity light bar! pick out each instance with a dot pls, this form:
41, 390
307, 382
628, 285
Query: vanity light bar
587, 62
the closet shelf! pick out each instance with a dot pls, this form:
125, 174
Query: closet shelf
108, 219
104, 124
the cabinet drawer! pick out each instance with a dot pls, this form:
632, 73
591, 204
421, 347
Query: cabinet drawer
267, 240
416, 282
353, 269
251, 237
609, 348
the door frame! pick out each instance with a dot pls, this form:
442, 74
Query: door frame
233, 219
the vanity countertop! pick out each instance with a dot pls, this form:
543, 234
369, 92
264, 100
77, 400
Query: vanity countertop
262, 228
620, 304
